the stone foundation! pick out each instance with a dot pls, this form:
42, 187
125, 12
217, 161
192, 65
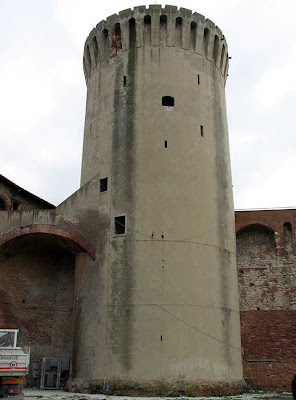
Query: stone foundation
157, 388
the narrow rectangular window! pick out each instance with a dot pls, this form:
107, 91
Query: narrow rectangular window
201, 130
103, 185
165, 144
124, 81
120, 225
198, 79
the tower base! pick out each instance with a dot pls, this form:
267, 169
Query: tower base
156, 388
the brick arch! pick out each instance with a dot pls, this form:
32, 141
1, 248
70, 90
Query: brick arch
83, 243
254, 225
6, 202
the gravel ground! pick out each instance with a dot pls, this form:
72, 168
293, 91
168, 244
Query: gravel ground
60, 395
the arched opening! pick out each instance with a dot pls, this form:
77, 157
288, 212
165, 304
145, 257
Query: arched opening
193, 32
255, 247
226, 66
179, 23
222, 57
37, 295
206, 39
117, 33
87, 60
105, 36
216, 48
3, 205
95, 49
132, 33
37, 290
256, 260
147, 30
288, 238
163, 29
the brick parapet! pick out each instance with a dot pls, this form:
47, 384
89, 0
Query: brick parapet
271, 219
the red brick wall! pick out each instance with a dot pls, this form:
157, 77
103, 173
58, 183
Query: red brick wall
26, 202
267, 285
271, 336
37, 295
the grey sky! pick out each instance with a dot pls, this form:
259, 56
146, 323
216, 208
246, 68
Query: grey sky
42, 96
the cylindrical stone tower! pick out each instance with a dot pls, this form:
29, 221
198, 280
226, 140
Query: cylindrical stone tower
158, 310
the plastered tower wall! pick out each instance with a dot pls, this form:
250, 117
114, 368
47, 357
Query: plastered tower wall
163, 316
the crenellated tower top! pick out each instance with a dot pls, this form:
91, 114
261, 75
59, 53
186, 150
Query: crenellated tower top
156, 26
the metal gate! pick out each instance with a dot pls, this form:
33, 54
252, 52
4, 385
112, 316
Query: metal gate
54, 373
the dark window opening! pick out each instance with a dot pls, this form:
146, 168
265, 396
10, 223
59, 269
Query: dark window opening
163, 20
117, 32
198, 79
2, 205
105, 35
87, 60
16, 205
90, 127
120, 225
288, 238
147, 20
222, 57
147, 30
178, 21
161, 338
95, 47
179, 31
201, 131
23, 301
132, 33
168, 101
165, 144
124, 81
103, 185
216, 48
206, 39
193, 33
226, 65
163, 30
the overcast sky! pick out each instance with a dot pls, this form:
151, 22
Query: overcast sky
43, 92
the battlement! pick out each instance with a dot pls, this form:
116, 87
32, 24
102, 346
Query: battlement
155, 26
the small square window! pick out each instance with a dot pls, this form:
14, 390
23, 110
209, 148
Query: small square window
120, 225
103, 185
168, 101
16, 205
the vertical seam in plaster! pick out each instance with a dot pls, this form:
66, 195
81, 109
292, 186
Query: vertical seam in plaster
109, 256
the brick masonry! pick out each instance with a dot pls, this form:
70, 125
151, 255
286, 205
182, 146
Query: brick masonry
267, 286
37, 295
13, 196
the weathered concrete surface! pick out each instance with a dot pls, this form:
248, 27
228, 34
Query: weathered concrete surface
165, 313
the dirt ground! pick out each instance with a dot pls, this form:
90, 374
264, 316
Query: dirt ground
60, 395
